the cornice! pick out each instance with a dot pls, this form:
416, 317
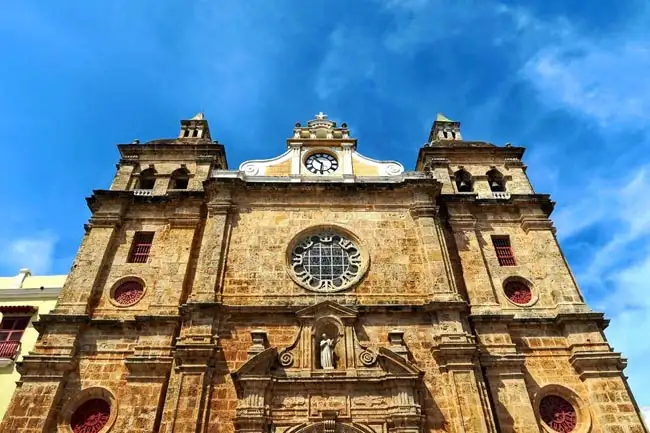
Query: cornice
429, 307
408, 179
543, 201
478, 149
532, 319
46, 293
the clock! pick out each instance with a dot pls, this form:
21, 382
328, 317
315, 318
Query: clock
321, 163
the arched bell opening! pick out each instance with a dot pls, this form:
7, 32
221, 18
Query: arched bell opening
464, 181
179, 179
147, 179
496, 181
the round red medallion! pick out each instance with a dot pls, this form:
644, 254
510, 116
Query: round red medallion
558, 414
91, 416
128, 293
518, 292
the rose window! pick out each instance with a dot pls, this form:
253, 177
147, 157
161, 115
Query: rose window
558, 414
91, 416
128, 293
326, 262
518, 292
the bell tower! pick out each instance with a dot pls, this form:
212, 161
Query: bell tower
444, 129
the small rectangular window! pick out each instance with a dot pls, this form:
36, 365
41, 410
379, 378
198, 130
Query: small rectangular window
140, 247
12, 327
503, 250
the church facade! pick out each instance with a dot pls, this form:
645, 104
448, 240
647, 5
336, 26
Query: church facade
321, 291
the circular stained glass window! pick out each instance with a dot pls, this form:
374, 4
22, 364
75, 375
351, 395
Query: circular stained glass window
558, 414
91, 416
518, 292
128, 293
326, 262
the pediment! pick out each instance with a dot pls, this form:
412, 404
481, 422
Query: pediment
258, 366
395, 365
327, 308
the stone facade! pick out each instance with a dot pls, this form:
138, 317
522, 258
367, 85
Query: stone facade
299, 295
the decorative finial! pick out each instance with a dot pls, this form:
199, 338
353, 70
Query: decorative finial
321, 116
199, 116
135, 141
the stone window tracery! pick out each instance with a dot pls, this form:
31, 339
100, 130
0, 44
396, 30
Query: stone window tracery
91, 416
518, 292
558, 414
128, 293
326, 261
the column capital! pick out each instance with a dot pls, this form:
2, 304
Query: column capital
424, 210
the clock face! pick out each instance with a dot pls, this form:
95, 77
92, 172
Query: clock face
321, 163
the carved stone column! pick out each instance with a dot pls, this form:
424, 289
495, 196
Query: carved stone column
188, 394
436, 253
504, 371
405, 414
477, 280
456, 353
507, 386
211, 259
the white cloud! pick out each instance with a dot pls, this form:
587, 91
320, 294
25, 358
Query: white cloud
33, 252
604, 82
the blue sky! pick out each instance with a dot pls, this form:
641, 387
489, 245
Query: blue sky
566, 79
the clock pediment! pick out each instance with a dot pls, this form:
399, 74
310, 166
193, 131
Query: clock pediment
319, 151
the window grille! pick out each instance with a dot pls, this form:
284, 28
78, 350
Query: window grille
11, 331
140, 248
504, 251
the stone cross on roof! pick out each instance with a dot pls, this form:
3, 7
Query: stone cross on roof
321, 116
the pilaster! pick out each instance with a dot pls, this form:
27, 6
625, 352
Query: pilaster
90, 262
210, 264
456, 354
189, 389
434, 245
476, 276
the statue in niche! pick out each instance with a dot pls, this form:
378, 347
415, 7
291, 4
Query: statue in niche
327, 352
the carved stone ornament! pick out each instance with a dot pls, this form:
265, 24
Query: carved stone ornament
326, 260
277, 386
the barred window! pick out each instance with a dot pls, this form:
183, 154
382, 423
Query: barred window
503, 250
140, 247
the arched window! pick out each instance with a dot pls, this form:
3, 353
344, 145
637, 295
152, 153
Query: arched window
147, 179
463, 181
496, 181
179, 180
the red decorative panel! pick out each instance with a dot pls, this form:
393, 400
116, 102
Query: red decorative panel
519, 293
140, 248
9, 349
558, 414
128, 293
504, 252
91, 416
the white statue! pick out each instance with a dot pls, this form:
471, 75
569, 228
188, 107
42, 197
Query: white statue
327, 352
